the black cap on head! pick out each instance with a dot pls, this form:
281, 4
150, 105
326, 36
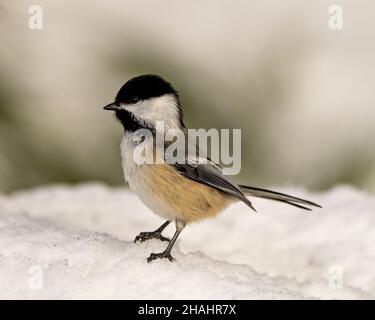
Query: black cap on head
144, 87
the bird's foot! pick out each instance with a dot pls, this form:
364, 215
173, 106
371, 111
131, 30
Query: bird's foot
143, 236
161, 255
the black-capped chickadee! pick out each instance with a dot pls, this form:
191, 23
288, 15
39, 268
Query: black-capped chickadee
180, 192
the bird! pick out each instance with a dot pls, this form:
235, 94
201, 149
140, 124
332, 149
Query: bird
184, 192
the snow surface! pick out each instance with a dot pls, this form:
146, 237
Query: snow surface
77, 242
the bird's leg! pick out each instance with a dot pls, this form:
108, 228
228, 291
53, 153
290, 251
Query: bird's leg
143, 236
180, 225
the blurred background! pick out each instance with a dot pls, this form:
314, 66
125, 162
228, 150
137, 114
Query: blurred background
302, 94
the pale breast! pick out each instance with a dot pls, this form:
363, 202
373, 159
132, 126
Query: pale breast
138, 182
166, 192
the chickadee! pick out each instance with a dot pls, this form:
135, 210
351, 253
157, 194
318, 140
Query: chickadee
183, 193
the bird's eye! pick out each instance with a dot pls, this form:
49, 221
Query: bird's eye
134, 99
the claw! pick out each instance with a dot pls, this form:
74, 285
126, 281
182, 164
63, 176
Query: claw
161, 255
162, 238
143, 236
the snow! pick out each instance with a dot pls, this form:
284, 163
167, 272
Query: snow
67, 242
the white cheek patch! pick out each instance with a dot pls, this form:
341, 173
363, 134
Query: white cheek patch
162, 108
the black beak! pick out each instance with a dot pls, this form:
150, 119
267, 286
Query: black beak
112, 106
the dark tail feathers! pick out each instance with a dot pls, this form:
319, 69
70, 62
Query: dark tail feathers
277, 196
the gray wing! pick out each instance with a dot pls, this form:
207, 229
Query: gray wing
211, 174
